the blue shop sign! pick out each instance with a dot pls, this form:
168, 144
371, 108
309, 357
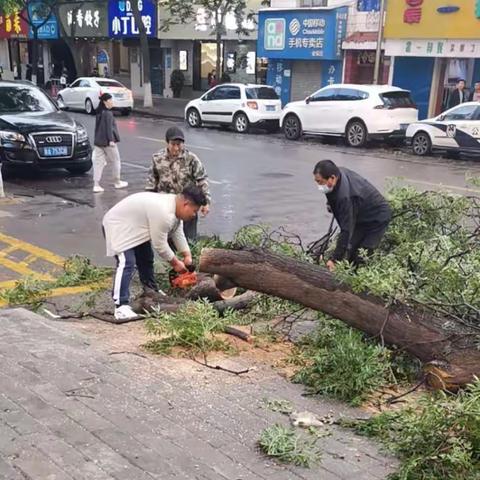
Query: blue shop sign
302, 35
368, 5
47, 30
122, 22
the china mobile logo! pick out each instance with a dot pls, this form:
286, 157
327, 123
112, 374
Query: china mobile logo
275, 34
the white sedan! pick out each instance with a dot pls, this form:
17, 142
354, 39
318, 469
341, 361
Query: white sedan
84, 93
456, 131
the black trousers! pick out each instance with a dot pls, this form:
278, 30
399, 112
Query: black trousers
365, 237
143, 258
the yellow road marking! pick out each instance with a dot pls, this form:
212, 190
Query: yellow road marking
7, 284
22, 268
32, 249
9, 249
30, 259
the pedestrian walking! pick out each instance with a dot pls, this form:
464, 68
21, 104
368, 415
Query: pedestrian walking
459, 94
173, 169
105, 145
475, 96
137, 223
361, 211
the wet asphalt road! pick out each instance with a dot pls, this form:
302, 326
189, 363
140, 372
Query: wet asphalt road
255, 178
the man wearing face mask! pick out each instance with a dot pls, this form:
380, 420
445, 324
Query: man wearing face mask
361, 211
175, 168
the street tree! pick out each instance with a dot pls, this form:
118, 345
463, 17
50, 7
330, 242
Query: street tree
145, 54
215, 14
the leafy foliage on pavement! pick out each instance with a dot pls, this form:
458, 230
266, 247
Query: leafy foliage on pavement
438, 438
340, 362
288, 446
193, 327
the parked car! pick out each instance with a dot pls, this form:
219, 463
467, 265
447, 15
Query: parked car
357, 112
456, 131
35, 132
84, 93
239, 105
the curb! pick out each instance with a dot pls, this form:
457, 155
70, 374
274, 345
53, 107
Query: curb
144, 113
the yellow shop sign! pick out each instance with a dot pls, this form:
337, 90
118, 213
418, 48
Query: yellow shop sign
451, 19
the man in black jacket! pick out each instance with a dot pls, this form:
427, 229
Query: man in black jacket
458, 95
362, 213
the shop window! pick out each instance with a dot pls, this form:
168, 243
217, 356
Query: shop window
183, 60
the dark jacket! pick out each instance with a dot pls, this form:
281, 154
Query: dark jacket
106, 130
355, 202
454, 99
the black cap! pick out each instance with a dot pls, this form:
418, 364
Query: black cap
174, 133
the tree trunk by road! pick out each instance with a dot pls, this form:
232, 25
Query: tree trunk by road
447, 348
34, 54
145, 55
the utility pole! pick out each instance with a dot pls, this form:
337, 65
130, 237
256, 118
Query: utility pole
378, 54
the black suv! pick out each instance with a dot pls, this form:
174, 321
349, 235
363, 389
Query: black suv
35, 132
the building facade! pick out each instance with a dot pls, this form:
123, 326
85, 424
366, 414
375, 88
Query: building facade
432, 45
191, 48
303, 48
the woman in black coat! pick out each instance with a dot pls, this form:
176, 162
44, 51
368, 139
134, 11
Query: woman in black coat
105, 144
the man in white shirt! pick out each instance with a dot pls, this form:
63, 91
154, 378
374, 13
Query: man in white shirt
137, 223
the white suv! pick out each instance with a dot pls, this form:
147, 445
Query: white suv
238, 105
357, 112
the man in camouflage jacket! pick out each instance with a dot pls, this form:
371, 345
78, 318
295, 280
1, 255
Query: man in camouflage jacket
173, 169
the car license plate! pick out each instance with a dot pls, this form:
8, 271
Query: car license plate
55, 151
118, 95
270, 108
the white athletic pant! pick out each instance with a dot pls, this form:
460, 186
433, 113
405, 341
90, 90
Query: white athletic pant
100, 157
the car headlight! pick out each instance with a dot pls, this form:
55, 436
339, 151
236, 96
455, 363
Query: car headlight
82, 135
11, 137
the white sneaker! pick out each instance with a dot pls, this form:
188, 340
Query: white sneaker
125, 312
121, 184
98, 189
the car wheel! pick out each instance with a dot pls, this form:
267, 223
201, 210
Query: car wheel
356, 134
89, 107
292, 127
193, 118
81, 168
421, 144
61, 100
241, 123
126, 112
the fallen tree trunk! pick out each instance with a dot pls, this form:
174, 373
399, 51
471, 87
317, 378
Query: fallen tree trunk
446, 347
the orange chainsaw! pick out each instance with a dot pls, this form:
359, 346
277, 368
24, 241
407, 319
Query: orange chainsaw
183, 280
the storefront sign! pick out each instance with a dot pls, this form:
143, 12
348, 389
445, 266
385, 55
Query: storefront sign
299, 34
122, 21
85, 19
46, 30
458, 19
368, 5
13, 26
433, 48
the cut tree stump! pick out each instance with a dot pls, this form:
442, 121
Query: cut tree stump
445, 346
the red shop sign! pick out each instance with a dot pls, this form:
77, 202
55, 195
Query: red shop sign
13, 26
413, 11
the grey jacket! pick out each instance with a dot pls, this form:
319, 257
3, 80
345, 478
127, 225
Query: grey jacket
106, 130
